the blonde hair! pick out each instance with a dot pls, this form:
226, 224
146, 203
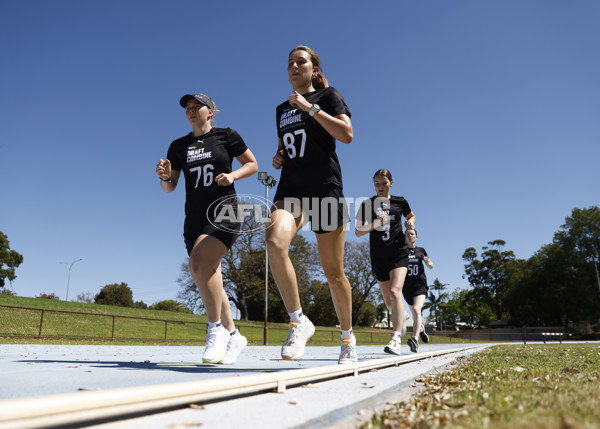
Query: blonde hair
213, 108
319, 81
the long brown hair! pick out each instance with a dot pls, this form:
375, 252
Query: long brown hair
319, 81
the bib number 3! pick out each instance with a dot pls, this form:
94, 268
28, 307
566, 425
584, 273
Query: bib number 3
289, 141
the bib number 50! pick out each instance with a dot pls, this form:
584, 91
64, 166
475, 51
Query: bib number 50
289, 141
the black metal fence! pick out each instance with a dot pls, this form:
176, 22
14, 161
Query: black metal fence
28, 322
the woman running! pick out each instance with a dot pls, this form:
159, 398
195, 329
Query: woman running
309, 122
415, 288
380, 217
205, 156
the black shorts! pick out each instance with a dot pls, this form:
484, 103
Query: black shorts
385, 260
412, 290
198, 224
325, 207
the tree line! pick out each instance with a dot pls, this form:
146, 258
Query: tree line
558, 284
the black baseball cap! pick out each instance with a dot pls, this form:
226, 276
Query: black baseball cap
204, 99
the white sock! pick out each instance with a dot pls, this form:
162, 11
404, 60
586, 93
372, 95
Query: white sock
397, 335
233, 331
297, 316
346, 335
212, 325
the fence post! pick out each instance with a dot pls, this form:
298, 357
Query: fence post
166, 323
113, 328
41, 324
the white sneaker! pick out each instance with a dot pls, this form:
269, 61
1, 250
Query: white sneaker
236, 344
299, 334
216, 344
393, 347
348, 351
406, 317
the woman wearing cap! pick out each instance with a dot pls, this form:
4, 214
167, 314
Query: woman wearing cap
205, 156
308, 124
381, 218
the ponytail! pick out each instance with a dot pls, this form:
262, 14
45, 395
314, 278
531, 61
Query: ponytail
319, 81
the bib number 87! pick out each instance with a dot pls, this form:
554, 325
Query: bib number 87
289, 141
205, 173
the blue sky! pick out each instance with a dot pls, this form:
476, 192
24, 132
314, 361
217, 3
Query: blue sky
487, 114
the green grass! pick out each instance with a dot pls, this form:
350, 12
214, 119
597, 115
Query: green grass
103, 324
513, 386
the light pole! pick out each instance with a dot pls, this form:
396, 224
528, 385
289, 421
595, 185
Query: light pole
69, 278
269, 182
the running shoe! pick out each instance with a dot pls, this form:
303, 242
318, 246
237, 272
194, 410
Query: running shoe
423, 335
403, 330
413, 344
236, 344
299, 334
348, 351
393, 347
216, 344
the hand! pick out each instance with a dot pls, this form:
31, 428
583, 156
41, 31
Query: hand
163, 169
426, 259
278, 160
297, 100
225, 179
384, 217
409, 225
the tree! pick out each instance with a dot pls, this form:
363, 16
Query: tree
85, 297
320, 305
558, 283
463, 306
45, 295
489, 277
170, 305
9, 260
436, 303
115, 294
580, 234
357, 266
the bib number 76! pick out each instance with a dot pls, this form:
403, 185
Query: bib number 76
205, 173
289, 141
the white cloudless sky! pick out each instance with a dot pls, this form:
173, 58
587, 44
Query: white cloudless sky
487, 114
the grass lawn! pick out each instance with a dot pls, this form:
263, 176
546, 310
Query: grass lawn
511, 386
81, 323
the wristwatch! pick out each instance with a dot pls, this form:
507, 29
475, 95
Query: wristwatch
314, 109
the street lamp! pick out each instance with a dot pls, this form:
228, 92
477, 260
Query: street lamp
69, 278
269, 182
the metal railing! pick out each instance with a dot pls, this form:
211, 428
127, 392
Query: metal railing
30, 322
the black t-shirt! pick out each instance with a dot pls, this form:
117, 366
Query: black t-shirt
202, 159
309, 150
416, 270
395, 207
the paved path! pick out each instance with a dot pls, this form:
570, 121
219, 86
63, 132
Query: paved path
29, 371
